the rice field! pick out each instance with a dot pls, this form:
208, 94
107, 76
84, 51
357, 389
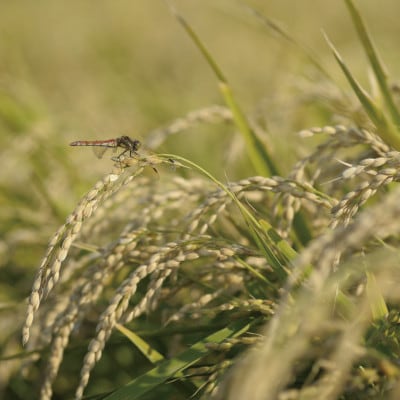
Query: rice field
238, 239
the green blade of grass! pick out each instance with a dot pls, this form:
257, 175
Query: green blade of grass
258, 154
286, 250
253, 271
170, 368
386, 130
156, 358
376, 64
264, 243
149, 352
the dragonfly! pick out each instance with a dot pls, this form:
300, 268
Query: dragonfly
127, 145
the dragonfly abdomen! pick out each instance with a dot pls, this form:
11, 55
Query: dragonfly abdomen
101, 143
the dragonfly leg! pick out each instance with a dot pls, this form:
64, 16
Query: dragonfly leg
121, 154
133, 153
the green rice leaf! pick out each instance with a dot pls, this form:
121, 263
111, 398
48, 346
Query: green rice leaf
286, 250
155, 357
385, 128
149, 352
376, 63
171, 368
256, 149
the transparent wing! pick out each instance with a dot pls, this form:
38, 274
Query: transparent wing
146, 152
99, 151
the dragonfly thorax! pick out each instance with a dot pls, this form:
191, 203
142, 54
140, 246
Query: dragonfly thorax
127, 143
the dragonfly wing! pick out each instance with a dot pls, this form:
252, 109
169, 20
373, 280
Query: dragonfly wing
99, 151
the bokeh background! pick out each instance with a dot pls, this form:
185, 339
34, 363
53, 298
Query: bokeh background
96, 70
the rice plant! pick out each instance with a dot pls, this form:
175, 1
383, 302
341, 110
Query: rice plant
272, 286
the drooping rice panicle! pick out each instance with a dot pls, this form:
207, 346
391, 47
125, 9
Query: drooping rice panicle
58, 248
158, 232
205, 115
378, 221
160, 266
197, 286
119, 305
379, 172
87, 290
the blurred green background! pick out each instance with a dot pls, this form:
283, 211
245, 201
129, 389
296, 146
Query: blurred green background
99, 69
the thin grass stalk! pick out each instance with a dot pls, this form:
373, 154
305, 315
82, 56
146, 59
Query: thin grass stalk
258, 154
385, 128
376, 64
